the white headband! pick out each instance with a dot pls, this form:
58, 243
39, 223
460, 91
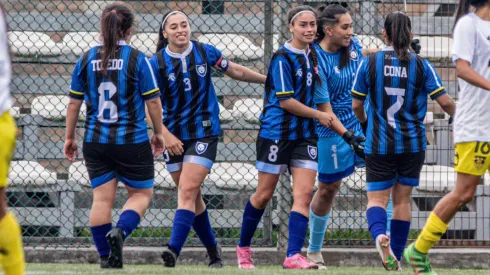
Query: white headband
296, 15
168, 15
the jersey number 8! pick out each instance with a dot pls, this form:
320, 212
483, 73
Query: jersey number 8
107, 108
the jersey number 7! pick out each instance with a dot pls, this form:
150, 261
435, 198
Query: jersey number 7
399, 93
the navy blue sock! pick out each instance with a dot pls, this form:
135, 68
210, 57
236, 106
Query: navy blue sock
251, 219
298, 225
128, 221
183, 220
99, 233
376, 217
399, 236
203, 229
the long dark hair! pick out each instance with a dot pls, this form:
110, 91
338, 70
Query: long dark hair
464, 8
329, 15
292, 12
116, 21
162, 41
398, 27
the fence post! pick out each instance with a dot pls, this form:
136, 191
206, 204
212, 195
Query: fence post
268, 34
284, 201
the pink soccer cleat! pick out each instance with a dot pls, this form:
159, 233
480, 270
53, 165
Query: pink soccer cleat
298, 261
244, 255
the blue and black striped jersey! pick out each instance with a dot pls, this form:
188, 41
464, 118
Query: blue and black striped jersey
190, 104
290, 76
115, 104
336, 86
397, 93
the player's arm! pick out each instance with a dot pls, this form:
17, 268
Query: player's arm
283, 90
243, 73
360, 91
299, 109
464, 52
447, 104
336, 125
233, 70
76, 95
366, 52
358, 108
465, 72
433, 84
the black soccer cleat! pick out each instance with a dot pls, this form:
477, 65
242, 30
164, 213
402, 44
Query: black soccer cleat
214, 255
115, 238
169, 256
104, 262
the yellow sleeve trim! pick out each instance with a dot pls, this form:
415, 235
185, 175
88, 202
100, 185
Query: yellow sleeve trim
75, 92
152, 91
285, 93
436, 91
358, 93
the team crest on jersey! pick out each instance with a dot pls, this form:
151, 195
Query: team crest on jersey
224, 63
201, 70
354, 55
479, 161
171, 77
299, 72
336, 69
201, 147
312, 151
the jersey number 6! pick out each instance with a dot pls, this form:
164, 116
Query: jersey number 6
107, 108
399, 93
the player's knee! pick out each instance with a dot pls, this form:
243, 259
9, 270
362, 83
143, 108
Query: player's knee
465, 197
188, 192
261, 199
303, 199
327, 191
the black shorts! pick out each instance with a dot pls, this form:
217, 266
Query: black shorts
198, 151
383, 171
132, 164
275, 156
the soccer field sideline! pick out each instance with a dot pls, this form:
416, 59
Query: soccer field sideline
159, 269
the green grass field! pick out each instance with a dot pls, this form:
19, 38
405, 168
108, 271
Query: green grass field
201, 270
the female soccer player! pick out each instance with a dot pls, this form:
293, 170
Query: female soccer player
287, 138
12, 262
396, 82
191, 113
115, 81
339, 55
471, 53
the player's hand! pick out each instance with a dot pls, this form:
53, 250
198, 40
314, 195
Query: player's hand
325, 119
175, 147
355, 142
71, 149
157, 145
415, 44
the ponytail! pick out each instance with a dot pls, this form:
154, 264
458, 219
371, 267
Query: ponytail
314, 57
117, 19
398, 27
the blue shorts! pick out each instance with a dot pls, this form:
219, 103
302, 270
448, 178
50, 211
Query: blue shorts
336, 159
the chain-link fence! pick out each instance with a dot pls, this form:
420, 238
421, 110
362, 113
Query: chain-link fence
51, 196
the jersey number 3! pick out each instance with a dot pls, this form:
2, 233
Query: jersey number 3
399, 93
107, 108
